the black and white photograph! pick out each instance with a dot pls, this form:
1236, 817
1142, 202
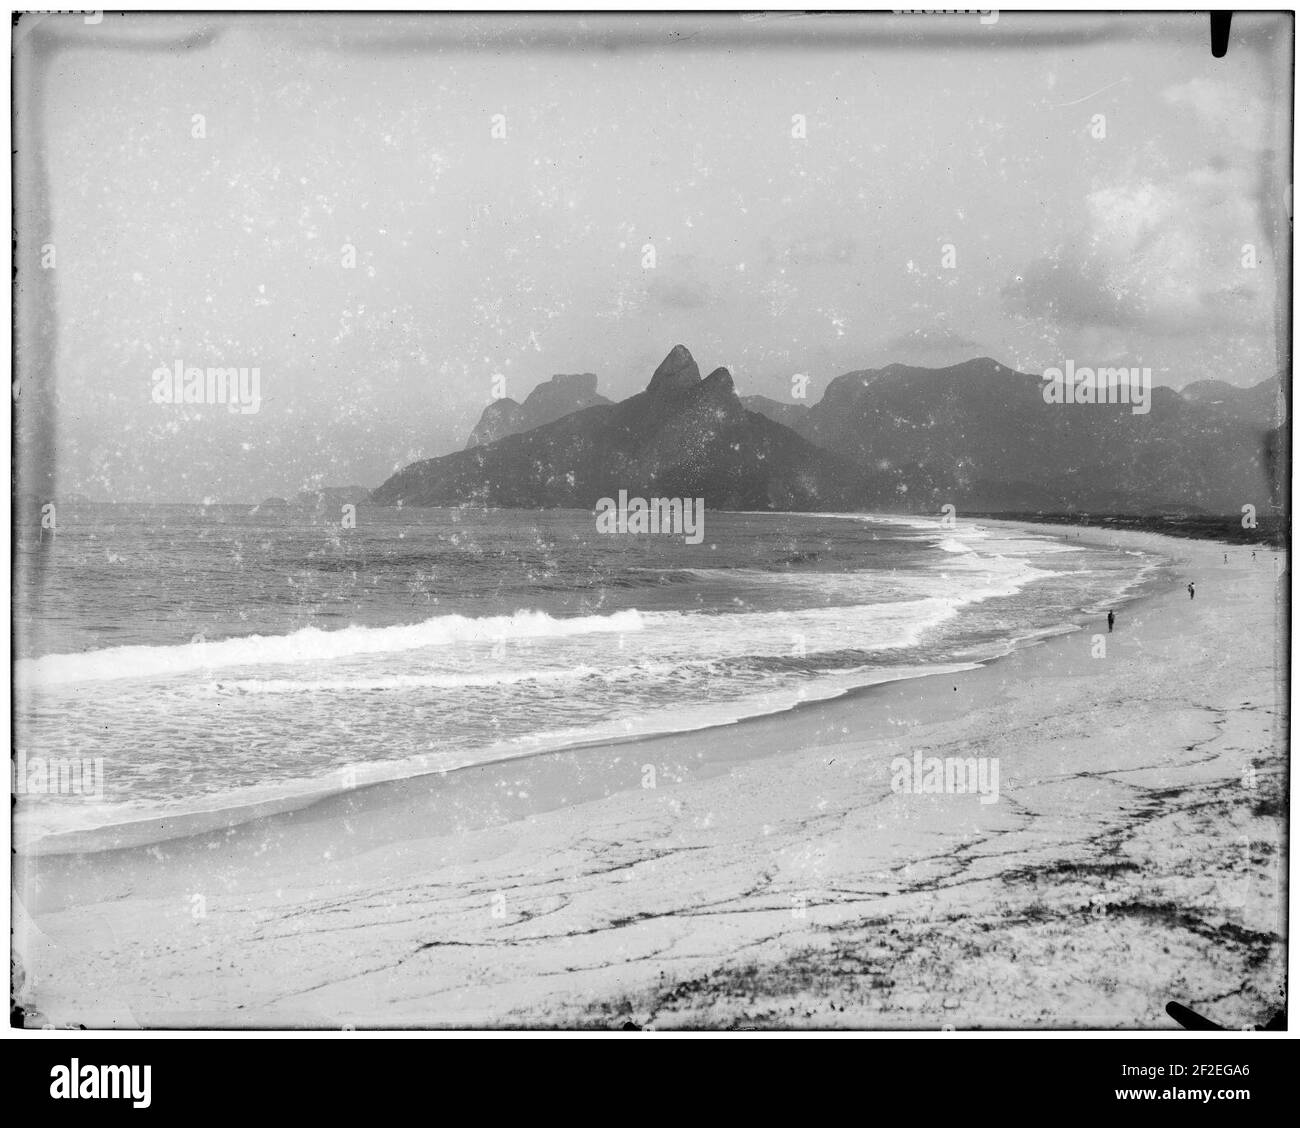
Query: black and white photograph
641, 521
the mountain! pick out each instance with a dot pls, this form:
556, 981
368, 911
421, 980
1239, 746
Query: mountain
681, 437
559, 396
981, 437
1258, 404
786, 413
976, 435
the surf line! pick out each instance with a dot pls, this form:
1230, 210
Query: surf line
671, 515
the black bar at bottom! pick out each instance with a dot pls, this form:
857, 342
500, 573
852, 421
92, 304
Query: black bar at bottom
364, 1075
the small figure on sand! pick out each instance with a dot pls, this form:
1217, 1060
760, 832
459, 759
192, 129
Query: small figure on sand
1110, 620
1252, 556
1191, 590
1225, 557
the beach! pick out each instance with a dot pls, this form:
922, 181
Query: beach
765, 874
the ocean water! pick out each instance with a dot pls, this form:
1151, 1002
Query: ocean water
215, 657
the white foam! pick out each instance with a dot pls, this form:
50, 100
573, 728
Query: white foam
34, 822
307, 645
479, 679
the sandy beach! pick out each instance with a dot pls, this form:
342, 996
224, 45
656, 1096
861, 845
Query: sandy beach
759, 875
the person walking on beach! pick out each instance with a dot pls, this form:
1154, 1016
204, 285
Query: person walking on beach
1191, 590
1110, 621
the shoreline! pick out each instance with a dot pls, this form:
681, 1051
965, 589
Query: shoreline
770, 881
165, 827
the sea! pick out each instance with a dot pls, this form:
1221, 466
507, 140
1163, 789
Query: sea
216, 658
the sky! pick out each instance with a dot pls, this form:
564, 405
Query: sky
822, 194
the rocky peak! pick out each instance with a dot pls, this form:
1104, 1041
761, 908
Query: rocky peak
576, 387
677, 372
719, 382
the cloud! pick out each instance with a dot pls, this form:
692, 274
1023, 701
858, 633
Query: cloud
1161, 255
935, 346
678, 293
935, 337
1069, 290
1178, 246
1226, 108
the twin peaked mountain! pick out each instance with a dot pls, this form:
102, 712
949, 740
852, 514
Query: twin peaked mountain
681, 437
976, 435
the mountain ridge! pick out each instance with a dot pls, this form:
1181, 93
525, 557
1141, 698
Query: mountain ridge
977, 434
981, 435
